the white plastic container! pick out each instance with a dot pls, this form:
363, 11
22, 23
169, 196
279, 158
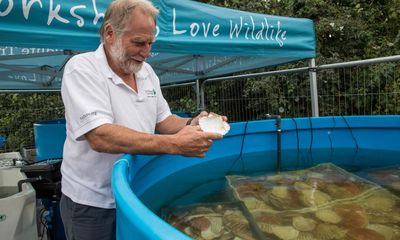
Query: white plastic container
17, 209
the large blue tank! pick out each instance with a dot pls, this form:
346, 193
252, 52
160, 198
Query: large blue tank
143, 184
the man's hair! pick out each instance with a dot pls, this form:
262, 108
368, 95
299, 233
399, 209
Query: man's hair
119, 11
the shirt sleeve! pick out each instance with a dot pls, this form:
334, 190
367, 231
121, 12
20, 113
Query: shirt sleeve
85, 96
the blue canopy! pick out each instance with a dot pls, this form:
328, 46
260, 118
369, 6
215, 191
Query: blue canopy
193, 40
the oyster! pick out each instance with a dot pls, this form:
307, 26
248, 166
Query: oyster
353, 215
283, 179
316, 175
201, 210
363, 234
199, 223
301, 186
188, 231
343, 190
306, 236
328, 216
395, 185
379, 203
203, 227
285, 232
387, 177
303, 224
215, 230
250, 190
236, 223
313, 197
280, 192
254, 203
275, 178
266, 221
214, 123
388, 232
329, 231
384, 217
283, 198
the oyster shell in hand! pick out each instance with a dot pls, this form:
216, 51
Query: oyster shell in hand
214, 123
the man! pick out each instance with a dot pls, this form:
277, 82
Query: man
113, 105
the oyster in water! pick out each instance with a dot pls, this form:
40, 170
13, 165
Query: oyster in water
214, 123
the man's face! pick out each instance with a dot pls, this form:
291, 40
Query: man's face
129, 49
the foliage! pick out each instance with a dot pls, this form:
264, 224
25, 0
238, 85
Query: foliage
346, 30
20, 111
185, 104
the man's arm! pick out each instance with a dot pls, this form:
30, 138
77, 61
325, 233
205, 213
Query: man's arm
174, 124
112, 138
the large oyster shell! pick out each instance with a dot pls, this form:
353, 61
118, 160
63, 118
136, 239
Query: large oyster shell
306, 236
303, 224
363, 233
214, 123
395, 185
353, 215
379, 203
301, 186
266, 221
313, 197
388, 232
328, 216
285, 232
253, 203
329, 231
392, 217
284, 198
345, 189
237, 224
215, 230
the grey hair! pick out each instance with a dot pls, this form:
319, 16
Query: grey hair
118, 12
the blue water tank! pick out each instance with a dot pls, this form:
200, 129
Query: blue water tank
3, 140
49, 138
144, 184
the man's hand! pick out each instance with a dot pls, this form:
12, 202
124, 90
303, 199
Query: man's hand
191, 141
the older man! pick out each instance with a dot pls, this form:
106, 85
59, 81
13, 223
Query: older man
113, 105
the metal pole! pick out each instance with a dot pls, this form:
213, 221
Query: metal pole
202, 101
278, 140
313, 87
198, 97
361, 62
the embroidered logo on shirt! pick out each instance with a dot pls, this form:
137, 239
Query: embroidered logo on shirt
87, 115
151, 93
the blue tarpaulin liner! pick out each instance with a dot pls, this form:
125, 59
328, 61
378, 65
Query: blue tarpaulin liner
193, 40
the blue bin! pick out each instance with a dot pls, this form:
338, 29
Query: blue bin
3, 140
49, 138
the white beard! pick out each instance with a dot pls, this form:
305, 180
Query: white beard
119, 55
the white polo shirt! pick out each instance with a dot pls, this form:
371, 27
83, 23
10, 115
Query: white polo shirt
94, 95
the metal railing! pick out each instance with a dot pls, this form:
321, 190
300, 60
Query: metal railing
366, 87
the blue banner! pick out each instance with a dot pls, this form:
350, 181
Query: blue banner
221, 39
